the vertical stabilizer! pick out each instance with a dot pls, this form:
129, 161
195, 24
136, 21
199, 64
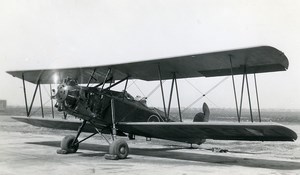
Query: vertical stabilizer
202, 116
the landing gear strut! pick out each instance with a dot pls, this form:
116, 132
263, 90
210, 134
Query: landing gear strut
118, 149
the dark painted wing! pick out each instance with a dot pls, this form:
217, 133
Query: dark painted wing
55, 124
255, 60
195, 132
66, 125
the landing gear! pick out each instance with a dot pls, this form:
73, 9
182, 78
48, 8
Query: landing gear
69, 144
119, 148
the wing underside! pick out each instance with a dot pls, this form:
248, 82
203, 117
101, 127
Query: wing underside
195, 132
249, 60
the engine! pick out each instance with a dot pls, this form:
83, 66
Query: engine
79, 101
68, 94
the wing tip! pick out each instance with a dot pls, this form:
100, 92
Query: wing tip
285, 61
290, 133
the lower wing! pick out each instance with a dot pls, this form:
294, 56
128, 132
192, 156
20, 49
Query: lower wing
196, 132
55, 124
67, 125
193, 132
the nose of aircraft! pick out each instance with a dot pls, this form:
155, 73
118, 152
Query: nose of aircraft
62, 92
67, 93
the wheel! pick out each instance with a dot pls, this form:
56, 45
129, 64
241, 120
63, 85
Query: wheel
66, 144
119, 148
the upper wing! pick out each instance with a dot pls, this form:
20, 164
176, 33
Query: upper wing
196, 131
255, 60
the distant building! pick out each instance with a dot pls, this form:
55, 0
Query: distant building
2, 105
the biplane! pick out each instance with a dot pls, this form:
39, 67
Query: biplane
86, 93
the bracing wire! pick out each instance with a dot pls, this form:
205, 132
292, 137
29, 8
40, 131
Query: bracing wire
32, 113
150, 93
130, 84
47, 91
139, 89
203, 95
154, 90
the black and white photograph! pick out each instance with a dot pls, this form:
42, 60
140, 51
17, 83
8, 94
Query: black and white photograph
149, 87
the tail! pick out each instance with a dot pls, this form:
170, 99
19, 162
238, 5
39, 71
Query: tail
202, 116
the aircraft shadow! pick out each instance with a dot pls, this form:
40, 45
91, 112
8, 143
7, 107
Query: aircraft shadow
198, 157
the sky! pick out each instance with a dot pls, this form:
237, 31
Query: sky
38, 34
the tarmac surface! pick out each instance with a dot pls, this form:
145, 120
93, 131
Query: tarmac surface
26, 149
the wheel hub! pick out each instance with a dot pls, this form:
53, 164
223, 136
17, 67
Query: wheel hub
122, 150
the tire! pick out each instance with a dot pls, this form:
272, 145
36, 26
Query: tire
66, 144
119, 148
